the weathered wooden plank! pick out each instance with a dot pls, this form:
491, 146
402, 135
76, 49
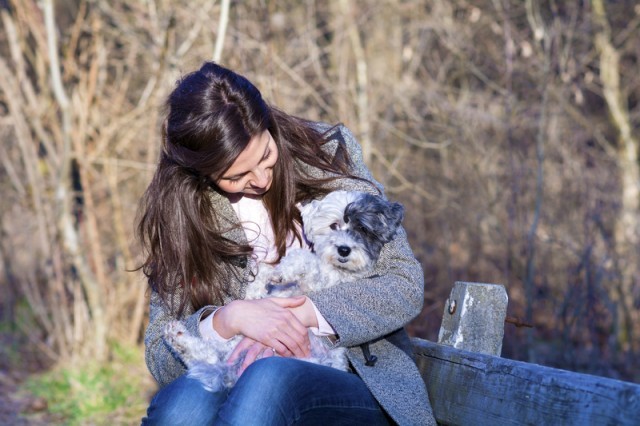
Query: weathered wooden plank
467, 388
474, 316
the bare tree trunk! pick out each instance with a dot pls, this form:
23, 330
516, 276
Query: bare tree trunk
627, 225
67, 231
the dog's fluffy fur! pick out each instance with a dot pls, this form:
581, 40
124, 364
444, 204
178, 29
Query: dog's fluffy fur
346, 232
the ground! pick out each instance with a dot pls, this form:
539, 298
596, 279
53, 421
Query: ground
18, 407
117, 393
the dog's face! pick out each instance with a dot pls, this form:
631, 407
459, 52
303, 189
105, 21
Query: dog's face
348, 229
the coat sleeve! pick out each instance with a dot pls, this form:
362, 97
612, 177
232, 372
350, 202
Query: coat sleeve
391, 296
164, 364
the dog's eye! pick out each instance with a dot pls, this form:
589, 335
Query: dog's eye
334, 226
362, 229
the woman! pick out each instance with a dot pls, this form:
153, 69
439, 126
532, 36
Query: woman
231, 172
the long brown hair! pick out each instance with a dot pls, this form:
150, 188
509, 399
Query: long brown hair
211, 116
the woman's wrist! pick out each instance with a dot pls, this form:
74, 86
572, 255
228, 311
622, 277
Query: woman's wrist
306, 313
222, 321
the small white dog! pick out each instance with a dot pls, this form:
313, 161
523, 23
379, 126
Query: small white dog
346, 232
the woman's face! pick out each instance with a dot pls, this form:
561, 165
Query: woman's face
252, 172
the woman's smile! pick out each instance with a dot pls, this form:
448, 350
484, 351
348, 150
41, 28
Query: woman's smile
252, 172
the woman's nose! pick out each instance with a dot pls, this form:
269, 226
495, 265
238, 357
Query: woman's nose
260, 178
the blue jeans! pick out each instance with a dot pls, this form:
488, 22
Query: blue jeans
271, 391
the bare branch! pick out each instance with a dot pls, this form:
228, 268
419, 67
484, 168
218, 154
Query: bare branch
222, 30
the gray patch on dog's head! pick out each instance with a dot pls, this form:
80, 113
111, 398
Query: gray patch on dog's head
373, 220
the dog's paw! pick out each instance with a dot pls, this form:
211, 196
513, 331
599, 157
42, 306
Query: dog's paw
175, 331
180, 340
175, 327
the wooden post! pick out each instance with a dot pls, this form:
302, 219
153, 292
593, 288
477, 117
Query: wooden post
474, 317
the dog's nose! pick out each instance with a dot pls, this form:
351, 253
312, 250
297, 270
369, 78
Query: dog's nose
344, 251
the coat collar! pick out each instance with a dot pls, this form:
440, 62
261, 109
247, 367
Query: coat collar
229, 225
228, 220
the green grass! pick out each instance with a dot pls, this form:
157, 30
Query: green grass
115, 392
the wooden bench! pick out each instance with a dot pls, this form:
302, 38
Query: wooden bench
469, 384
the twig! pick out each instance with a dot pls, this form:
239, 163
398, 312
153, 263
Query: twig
517, 322
362, 83
222, 29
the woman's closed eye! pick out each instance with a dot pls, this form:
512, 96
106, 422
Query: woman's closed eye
236, 179
266, 156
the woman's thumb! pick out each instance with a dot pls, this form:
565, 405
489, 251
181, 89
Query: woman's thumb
290, 302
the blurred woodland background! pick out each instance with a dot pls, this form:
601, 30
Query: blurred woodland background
508, 128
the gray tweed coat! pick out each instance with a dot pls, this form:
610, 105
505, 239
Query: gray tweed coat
373, 310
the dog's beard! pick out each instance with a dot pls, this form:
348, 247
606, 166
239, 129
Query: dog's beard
357, 260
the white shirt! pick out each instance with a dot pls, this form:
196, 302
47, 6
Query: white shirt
254, 218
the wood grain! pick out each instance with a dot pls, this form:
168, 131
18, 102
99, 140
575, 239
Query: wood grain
468, 388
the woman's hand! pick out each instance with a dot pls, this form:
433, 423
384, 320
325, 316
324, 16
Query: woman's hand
305, 313
253, 351
270, 321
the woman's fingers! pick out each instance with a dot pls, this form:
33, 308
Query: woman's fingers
288, 302
297, 344
269, 352
241, 347
270, 321
289, 338
298, 341
252, 351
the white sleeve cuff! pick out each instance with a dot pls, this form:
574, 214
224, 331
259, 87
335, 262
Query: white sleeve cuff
324, 328
207, 331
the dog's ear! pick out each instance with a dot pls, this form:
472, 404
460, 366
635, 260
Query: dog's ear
308, 212
391, 216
